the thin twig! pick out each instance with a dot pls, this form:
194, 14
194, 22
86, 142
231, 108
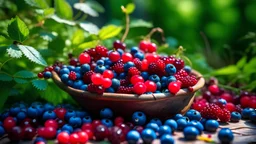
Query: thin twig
158, 29
127, 26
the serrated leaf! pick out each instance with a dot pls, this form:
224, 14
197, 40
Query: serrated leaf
32, 54
78, 37
25, 74
95, 5
228, 70
130, 8
17, 29
20, 80
63, 9
37, 3
84, 7
5, 77
90, 27
89, 44
60, 20
140, 23
40, 84
48, 36
14, 52
109, 31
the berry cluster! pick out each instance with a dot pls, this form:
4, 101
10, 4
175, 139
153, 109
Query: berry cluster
139, 71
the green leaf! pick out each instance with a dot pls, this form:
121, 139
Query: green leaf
48, 36
78, 37
25, 74
95, 5
5, 89
60, 20
90, 27
20, 80
109, 31
4, 34
17, 29
63, 9
32, 54
5, 77
84, 7
89, 44
140, 23
37, 3
48, 12
39, 84
241, 62
250, 67
57, 44
228, 70
14, 52
130, 8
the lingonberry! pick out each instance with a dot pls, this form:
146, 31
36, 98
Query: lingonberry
214, 89
119, 45
97, 79
51, 123
40, 75
118, 120
151, 86
143, 45
114, 56
245, 101
9, 123
152, 47
116, 135
126, 57
84, 58
83, 137
174, 87
227, 96
29, 132
108, 74
136, 78
139, 88
60, 112
16, 133
101, 132
230, 107
74, 138
63, 138
107, 82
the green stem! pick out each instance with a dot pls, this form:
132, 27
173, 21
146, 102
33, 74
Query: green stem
5, 63
229, 87
77, 15
127, 25
154, 30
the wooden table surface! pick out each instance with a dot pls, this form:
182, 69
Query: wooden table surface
244, 132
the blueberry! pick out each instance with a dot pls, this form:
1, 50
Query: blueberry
253, 117
197, 125
122, 75
222, 102
32, 112
87, 119
78, 76
39, 139
115, 83
190, 133
100, 69
139, 55
64, 71
246, 112
120, 51
164, 129
139, 118
148, 135
78, 69
70, 83
128, 65
57, 69
84, 87
49, 115
170, 79
203, 121
106, 113
170, 69
1, 123
172, 124
225, 135
75, 121
178, 116
159, 85
69, 114
110, 90
81, 114
48, 106
67, 127
133, 137
182, 123
187, 69
145, 75
77, 84
108, 62
211, 125
166, 139
47, 74
40, 109
152, 126
134, 50
193, 115
71, 68
21, 116
85, 68
155, 78
2, 131
100, 62
235, 117
64, 78
157, 121
107, 122
14, 111
4, 114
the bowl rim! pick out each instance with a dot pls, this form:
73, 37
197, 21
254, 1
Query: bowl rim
127, 97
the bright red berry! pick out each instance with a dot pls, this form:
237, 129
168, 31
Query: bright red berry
118, 120
51, 123
139, 88
9, 123
86, 126
126, 57
63, 138
227, 96
40, 75
60, 112
151, 57
143, 45
136, 78
101, 132
230, 107
133, 71
144, 65
72, 75
107, 82
211, 111
187, 81
151, 86
179, 64
199, 106
108, 74
89, 133
214, 89
137, 63
114, 56
84, 58
224, 116
29, 132
49, 133
95, 123
252, 103
174, 87
87, 77
99, 89
125, 89
152, 47
244, 101
97, 79
74, 138
83, 137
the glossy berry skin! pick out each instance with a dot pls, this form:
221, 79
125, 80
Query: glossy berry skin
157, 121
166, 139
119, 45
69, 114
2, 131
47, 75
174, 87
68, 128
21, 116
136, 78
101, 132
32, 112
83, 137
133, 137
235, 117
190, 133
97, 79
170, 69
164, 129
246, 113
106, 82
214, 89
171, 123
108, 74
40, 75
126, 57
225, 135
106, 113
74, 138
139, 118
107, 122
87, 119
16, 133
49, 115
152, 126
253, 117
211, 125
60, 112
178, 116
139, 88
9, 123
197, 125
148, 135
151, 86
193, 115
182, 123
75, 121
114, 56
51, 123
63, 138
84, 58
116, 135
29, 133
118, 120
143, 45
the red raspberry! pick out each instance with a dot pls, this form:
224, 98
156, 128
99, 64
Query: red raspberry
118, 67
87, 77
92, 52
199, 106
72, 75
160, 64
211, 111
224, 116
137, 63
168, 60
179, 64
188, 81
133, 71
95, 88
124, 82
124, 89
181, 73
101, 50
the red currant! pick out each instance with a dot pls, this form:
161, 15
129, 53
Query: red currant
114, 56
74, 138
139, 88
63, 138
230, 107
119, 45
179, 64
97, 79
86, 126
144, 45
84, 58
89, 133
252, 103
244, 101
60, 112
101, 132
174, 87
95, 123
214, 89
108, 74
151, 57
106, 82
40, 75
51, 123
116, 135
29, 132
144, 65
136, 78
126, 57
83, 137
226, 96
118, 120
151, 86
125, 128
9, 123
16, 133
152, 47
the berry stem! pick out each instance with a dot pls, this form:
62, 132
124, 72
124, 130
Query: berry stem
127, 24
229, 87
154, 30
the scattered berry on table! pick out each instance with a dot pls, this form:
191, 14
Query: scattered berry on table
225, 135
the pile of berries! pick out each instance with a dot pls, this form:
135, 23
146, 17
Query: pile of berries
139, 71
68, 125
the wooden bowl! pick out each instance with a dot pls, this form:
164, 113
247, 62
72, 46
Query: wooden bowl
163, 105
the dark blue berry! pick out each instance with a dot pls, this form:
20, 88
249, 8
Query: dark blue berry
14, 111
170, 69
148, 135
182, 123
64, 78
187, 69
172, 124
49, 115
128, 65
211, 125
100, 69
85, 68
40, 109
67, 127
193, 115
122, 75
253, 117
170, 79
164, 129
32, 112
71, 68
155, 78
78, 69
77, 84
166, 139
84, 87
87, 119
159, 86
190, 133
134, 50
133, 137
225, 135
157, 121
75, 121
139, 55
197, 125
115, 83
70, 83
2, 131
57, 69
145, 75
47, 74
107, 122
81, 114
235, 117
48, 106
106, 113
246, 112
64, 71
110, 90
152, 126
21, 116
178, 116
100, 62
69, 114
139, 118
